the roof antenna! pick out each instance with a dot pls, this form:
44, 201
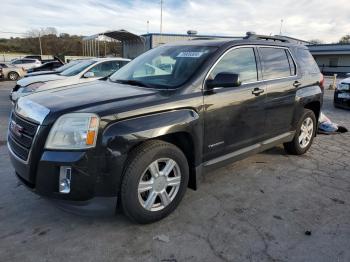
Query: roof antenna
281, 26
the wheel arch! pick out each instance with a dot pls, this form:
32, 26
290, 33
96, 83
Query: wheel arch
314, 106
179, 127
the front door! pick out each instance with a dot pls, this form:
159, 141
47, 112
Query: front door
234, 117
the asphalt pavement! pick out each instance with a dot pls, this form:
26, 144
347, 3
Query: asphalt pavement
268, 207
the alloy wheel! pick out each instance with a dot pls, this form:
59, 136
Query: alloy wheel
306, 132
159, 184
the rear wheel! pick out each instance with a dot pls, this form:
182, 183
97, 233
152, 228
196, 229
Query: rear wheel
13, 76
154, 181
304, 135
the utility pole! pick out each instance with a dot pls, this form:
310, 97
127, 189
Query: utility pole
281, 27
41, 50
161, 16
147, 27
161, 21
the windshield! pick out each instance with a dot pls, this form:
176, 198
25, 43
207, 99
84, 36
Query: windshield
76, 69
163, 67
66, 66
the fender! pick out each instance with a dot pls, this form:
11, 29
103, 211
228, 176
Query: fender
120, 137
305, 96
309, 94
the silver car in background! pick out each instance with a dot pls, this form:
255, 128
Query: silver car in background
26, 63
12, 73
85, 71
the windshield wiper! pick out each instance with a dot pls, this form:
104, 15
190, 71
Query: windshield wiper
131, 82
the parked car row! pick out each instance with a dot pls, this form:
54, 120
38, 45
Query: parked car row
17, 68
138, 139
75, 72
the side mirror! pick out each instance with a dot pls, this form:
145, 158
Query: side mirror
89, 75
224, 80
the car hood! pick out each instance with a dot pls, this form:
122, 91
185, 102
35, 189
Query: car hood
39, 78
345, 81
100, 97
40, 73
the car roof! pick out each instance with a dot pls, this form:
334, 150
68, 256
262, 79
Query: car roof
102, 59
217, 42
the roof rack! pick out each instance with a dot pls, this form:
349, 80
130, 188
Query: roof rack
204, 38
254, 36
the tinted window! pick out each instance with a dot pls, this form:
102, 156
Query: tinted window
274, 62
307, 62
28, 61
238, 61
46, 66
56, 64
17, 62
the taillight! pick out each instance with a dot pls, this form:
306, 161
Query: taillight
322, 82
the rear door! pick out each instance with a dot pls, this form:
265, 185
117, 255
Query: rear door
279, 72
234, 117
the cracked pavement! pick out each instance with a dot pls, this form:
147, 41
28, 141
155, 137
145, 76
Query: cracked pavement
257, 209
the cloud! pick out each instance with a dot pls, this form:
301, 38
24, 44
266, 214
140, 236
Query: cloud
305, 19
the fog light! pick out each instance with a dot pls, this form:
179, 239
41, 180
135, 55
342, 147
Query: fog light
64, 180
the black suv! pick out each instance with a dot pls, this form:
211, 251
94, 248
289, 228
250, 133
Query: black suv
140, 138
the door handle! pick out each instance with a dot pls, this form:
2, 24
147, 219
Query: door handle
296, 84
257, 91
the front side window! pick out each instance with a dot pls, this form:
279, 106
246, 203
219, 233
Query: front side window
164, 67
239, 61
274, 62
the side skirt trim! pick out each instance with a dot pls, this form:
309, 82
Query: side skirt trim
253, 148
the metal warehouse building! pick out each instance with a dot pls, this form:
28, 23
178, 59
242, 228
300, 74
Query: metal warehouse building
132, 48
134, 45
332, 58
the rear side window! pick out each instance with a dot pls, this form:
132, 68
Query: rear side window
307, 62
276, 63
238, 61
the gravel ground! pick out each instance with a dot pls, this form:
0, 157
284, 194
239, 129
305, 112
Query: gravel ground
269, 207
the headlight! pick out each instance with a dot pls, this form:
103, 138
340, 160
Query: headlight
74, 131
32, 87
342, 86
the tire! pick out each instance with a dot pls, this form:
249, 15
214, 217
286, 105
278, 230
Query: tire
13, 76
146, 195
296, 146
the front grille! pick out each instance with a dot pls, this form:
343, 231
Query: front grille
21, 136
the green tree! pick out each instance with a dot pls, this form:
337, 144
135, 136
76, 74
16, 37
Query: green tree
345, 39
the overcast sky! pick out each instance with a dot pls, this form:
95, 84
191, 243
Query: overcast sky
305, 19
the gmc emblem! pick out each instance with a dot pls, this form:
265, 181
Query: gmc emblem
16, 128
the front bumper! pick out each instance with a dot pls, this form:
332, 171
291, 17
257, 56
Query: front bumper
91, 192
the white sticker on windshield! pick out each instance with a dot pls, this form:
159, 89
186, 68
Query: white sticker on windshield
190, 54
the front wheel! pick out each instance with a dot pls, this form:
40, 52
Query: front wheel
154, 181
304, 135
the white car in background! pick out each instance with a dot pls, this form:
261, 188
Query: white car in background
25, 63
85, 71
